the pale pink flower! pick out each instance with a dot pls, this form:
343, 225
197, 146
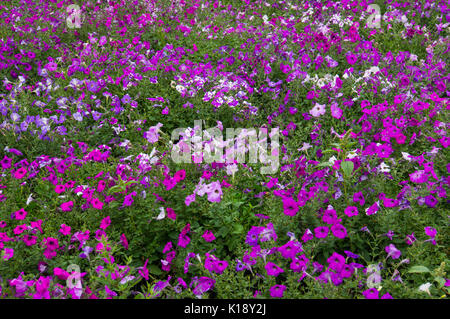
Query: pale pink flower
317, 110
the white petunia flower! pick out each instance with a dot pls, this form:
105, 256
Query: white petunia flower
425, 288
406, 156
30, 199
162, 213
384, 168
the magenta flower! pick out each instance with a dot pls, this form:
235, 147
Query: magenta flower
65, 230
384, 150
351, 211
432, 233
308, 235
410, 239
8, 253
272, 269
105, 222
389, 202
290, 249
277, 291
305, 58
144, 271
60, 273
290, 206
60, 189
219, 266
19, 285
97, 204
42, 285
179, 175
204, 284
183, 240
330, 216
253, 235
20, 173
67, 206
268, 233
171, 213
110, 293
19, 229
336, 261
37, 225
208, 236
404, 82
336, 112
167, 247
373, 209
392, 251
339, 231
51, 66
390, 234
31, 55
431, 201
169, 182
321, 232
21, 214
124, 241
285, 68
299, 264
6, 162
371, 293
29, 240
358, 197
352, 58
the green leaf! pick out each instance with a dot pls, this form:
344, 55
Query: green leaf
418, 269
223, 231
440, 281
237, 204
115, 189
347, 168
347, 134
154, 270
113, 204
139, 296
238, 229
324, 164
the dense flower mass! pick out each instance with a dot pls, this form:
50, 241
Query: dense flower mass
119, 177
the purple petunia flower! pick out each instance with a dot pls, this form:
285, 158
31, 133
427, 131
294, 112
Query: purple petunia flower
126, 99
277, 291
431, 201
272, 269
290, 206
371, 293
339, 231
204, 284
432, 233
321, 232
392, 251
358, 197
